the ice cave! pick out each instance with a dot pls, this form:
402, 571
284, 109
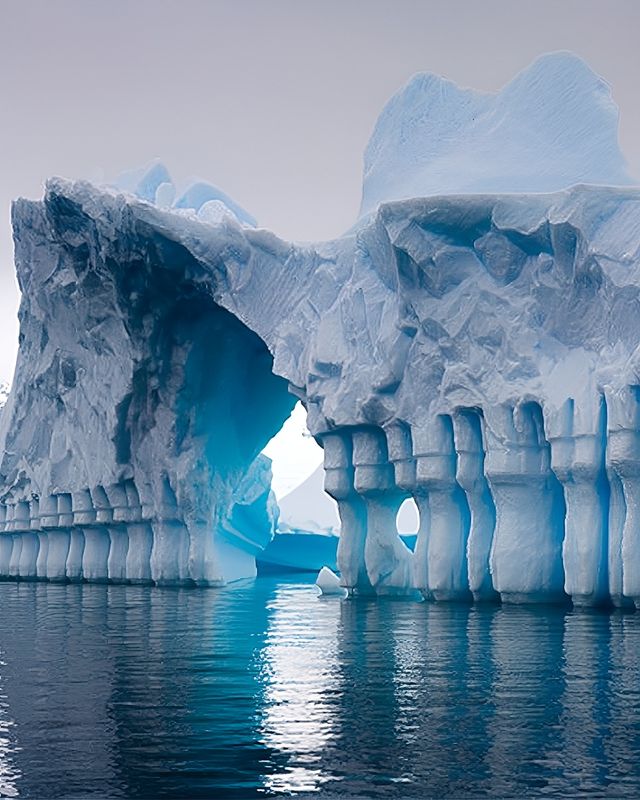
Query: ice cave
472, 342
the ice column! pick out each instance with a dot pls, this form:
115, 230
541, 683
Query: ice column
526, 562
577, 437
170, 554
339, 484
16, 542
119, 540
49, 520
617, 514
83, 515
623, 460
400, 446
58, 539
6, 544
27, 541
387, 558
433, 448
97, 542
467, 434
138, 564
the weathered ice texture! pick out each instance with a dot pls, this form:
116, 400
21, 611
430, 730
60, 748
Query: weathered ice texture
131, 438
476, 352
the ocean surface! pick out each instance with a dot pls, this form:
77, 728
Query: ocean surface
265, 690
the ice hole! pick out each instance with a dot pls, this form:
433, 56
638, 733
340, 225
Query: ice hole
298, 478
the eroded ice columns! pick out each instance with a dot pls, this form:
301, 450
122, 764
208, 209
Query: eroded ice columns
97, 543
140, 537
339, 484
470, 450
434, 451
84, 515
6, 544
388, 560
577, 435
623, 464
400, 444
57, 531
118, 536
16, 543
170, 553
27, 541
526, 561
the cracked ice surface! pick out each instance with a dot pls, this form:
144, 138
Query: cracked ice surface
477, 351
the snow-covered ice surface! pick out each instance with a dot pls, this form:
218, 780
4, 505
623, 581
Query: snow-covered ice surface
474, 346
554, 125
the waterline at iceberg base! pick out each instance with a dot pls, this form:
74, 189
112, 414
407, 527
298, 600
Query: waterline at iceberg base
472, 344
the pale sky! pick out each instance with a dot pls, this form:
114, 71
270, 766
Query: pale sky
272, 100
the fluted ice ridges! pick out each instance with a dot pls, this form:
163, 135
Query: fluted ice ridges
479, 353
107, 534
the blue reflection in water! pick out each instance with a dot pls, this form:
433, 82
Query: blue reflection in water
264, 690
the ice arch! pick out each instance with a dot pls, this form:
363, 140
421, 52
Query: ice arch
157, 402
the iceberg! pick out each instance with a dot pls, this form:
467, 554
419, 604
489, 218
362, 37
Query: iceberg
472, 343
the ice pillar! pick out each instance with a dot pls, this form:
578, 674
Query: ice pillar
170, 553
577, 437
97, 542
140, 537
623, 462
388, 560
6, 544
27, 541
434, 450
526, 562
58, 539
339, 484
400, 446
469, 445
83, 515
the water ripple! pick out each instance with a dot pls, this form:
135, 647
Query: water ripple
263, 690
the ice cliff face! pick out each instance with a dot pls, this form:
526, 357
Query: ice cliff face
130, 440
478, 352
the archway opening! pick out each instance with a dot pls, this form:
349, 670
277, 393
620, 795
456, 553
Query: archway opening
298, 479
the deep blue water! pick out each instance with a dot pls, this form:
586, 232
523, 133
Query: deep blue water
265, 690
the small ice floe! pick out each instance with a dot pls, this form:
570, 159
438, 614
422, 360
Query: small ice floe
329, 584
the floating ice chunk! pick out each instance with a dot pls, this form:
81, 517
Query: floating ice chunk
329, 583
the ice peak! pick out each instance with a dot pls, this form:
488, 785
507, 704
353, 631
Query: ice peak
553, 126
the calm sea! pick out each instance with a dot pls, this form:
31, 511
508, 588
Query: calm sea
264, 690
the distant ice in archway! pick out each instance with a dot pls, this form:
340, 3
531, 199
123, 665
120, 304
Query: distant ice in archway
294, 453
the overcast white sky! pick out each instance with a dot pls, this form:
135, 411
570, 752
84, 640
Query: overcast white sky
273, 100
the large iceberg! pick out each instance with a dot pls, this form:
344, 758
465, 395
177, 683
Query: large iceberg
474, 349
